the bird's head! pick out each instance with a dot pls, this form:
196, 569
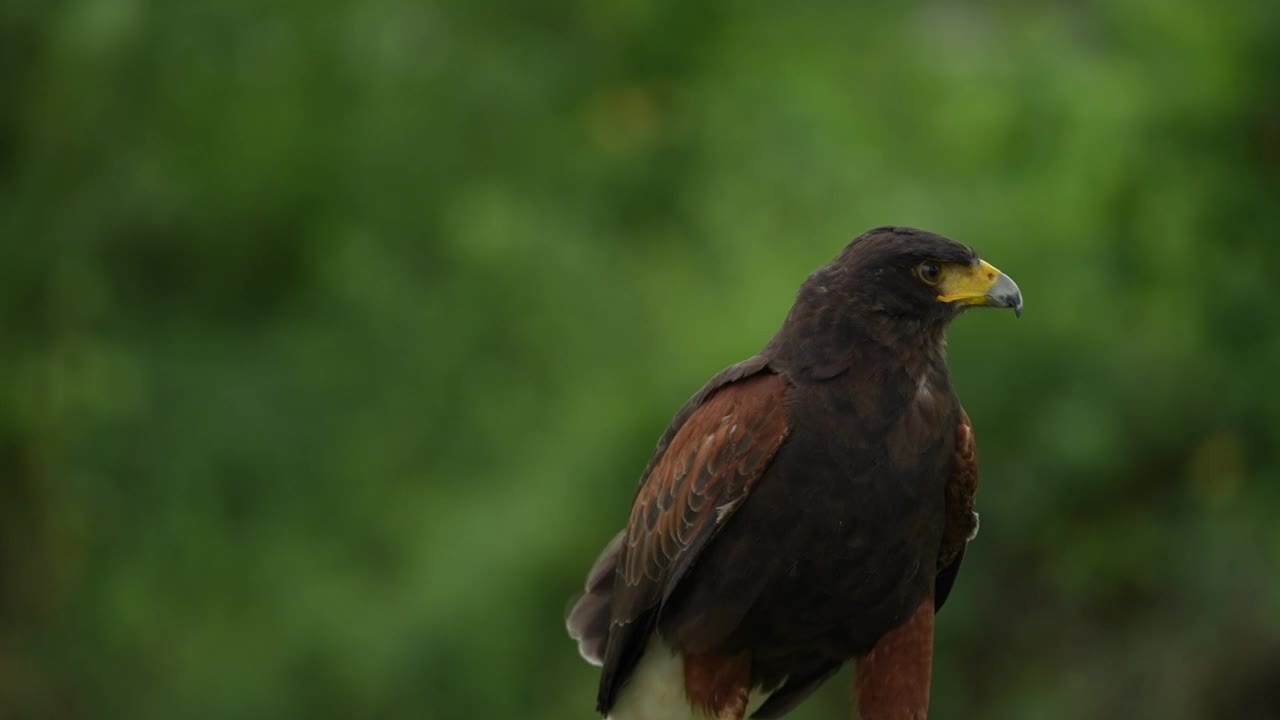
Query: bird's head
918, 275
890, 286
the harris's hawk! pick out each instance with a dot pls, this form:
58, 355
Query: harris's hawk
808, 506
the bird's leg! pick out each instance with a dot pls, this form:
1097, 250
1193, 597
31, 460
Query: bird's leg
733, 706
892, 681
718, 684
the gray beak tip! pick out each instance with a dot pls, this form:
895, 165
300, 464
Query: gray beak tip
1005, 293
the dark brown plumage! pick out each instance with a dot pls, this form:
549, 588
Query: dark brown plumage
808, 502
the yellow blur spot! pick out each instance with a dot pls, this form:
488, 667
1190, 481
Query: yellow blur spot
1216, 468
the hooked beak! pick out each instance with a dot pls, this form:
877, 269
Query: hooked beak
981, 285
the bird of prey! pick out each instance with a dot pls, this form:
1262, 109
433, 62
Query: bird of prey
808, 506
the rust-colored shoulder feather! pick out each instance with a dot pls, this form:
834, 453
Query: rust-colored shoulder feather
706, 471
961, 521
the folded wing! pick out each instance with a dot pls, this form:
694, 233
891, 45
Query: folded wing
694, 485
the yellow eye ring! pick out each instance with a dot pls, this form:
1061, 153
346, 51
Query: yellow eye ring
929, 272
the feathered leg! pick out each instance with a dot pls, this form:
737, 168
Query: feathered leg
719, 684
892, 681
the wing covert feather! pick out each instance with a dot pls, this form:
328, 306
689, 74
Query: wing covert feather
707, 469
718, 446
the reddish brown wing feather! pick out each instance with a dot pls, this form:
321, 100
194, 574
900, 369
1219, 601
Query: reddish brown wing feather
707, 469
961, 520
961, 492
719, 445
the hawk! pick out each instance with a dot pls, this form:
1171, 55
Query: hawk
808, 506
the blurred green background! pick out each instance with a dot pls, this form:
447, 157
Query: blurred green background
334, 334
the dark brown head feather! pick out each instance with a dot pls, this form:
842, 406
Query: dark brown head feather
867, 300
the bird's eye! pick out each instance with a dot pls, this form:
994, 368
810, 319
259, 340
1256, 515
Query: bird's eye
929, 272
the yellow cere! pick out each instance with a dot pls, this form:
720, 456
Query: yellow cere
967, 284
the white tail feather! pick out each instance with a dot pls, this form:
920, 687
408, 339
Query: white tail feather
655, 690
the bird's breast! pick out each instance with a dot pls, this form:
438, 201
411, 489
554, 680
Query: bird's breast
837, 542
858, 519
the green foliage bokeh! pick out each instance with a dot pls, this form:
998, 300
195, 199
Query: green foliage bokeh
334, 335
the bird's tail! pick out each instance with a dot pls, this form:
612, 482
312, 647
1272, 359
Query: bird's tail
588, 617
